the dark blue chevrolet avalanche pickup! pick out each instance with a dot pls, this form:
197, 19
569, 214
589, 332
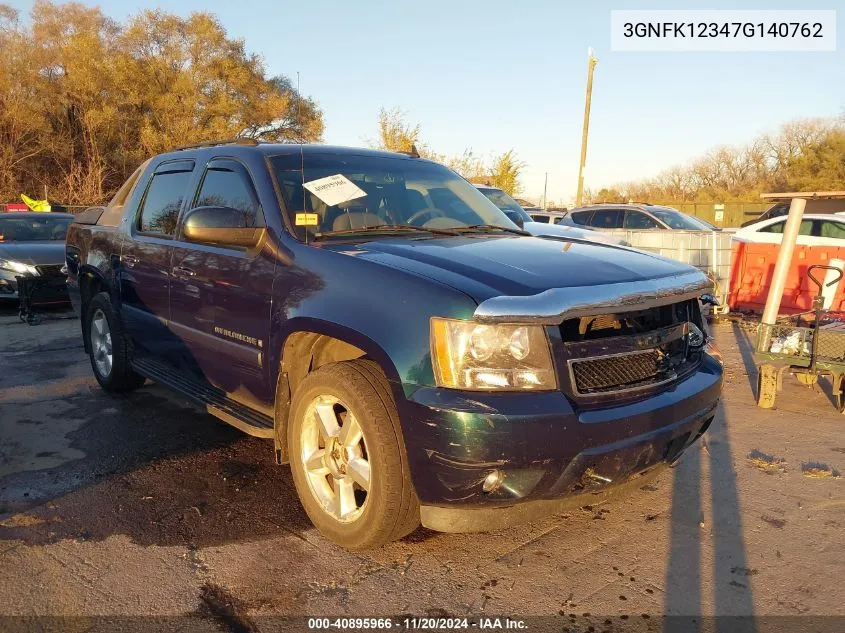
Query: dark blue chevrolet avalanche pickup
412, 354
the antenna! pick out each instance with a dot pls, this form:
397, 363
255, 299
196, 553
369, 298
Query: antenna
298, 102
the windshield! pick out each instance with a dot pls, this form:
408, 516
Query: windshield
503, 201
677, 220
361, 192
33, 228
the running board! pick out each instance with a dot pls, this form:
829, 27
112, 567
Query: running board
215, 400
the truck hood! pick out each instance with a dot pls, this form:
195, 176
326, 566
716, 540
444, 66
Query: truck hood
492, 266
34, 253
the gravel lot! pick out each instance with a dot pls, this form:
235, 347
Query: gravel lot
145, 505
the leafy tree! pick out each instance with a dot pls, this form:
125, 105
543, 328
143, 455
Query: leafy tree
606, 195
820, 167
84, 99
804, 155
397, 135
504, 172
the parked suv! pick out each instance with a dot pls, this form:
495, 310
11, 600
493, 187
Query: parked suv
410, 352
519, 216
547, 217
635, 216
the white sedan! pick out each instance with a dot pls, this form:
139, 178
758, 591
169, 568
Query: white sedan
816, 230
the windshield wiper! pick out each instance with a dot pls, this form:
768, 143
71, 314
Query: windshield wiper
387, 228
492, 227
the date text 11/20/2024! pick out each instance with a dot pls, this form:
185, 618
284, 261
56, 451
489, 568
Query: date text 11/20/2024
416, 623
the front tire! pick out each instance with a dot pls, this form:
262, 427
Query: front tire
348, 456
110, 348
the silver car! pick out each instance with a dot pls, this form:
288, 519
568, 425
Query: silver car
522, 219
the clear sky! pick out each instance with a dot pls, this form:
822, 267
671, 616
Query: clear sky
498, 74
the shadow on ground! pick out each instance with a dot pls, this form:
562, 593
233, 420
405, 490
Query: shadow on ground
161, 473
723, 530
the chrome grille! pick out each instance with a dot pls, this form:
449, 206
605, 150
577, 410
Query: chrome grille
620, 372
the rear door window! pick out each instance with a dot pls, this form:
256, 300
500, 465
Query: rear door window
607, 219
540, 218
159, 211
639, 220
777, 227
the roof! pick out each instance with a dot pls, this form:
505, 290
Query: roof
292, 148
805, 194
836, 217
624, 205
317, 148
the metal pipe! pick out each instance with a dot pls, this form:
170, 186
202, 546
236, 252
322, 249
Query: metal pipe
787, 246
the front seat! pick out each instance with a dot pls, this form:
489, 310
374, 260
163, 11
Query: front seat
356, 220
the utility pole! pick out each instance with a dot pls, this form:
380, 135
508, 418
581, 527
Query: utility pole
545, 188
591, 67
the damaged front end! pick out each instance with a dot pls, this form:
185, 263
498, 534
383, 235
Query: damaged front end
636, 384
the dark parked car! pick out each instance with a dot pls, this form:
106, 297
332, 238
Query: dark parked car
813, 205
33, 244
775, 211
635, 216
412, 353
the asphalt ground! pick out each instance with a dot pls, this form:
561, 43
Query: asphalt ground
143, 505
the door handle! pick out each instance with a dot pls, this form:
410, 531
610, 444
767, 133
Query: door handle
183, 272
129, 260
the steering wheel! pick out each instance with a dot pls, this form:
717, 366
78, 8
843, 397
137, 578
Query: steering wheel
434, 213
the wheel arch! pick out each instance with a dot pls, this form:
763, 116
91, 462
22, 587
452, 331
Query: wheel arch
91, 281
306, 345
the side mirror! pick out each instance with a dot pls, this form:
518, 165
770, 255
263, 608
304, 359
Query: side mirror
220, 225
516, 218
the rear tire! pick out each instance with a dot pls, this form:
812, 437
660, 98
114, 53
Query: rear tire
110, 348
348, 457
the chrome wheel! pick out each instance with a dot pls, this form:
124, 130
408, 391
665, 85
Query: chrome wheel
335, 459
101, 348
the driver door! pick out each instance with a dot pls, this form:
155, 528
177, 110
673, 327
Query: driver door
220, 295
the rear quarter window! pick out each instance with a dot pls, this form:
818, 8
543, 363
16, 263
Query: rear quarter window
113, 212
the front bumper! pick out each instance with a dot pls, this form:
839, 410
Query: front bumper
551, 455
45, 289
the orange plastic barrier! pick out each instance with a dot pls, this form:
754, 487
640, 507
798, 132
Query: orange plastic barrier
752, 267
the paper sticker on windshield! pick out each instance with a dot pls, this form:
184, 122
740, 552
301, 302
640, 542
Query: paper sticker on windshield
335, 189
307, 219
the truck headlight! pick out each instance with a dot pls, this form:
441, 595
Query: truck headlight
17, 267
474, 356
